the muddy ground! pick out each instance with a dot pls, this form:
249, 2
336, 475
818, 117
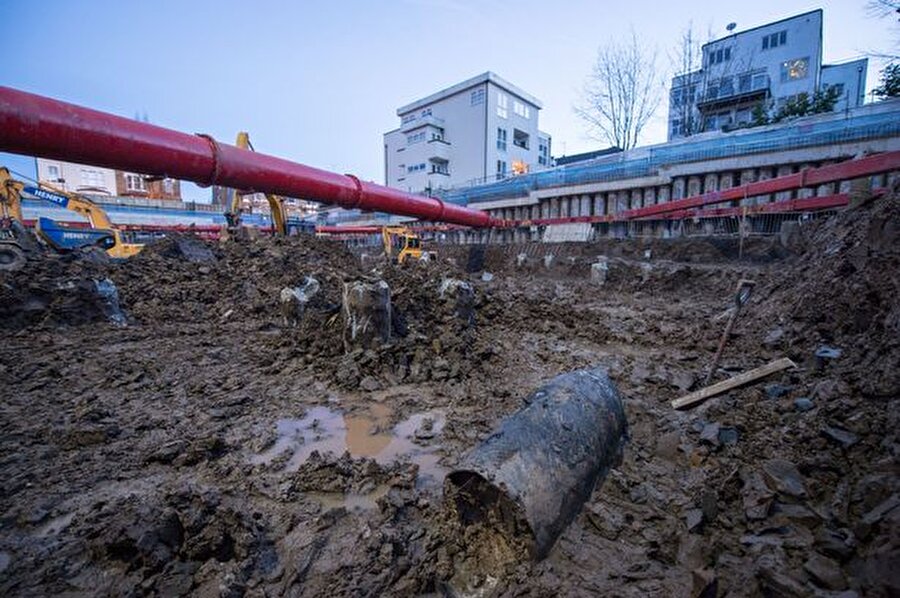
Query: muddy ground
202, 446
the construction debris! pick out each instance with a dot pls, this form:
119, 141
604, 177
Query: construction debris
701, 395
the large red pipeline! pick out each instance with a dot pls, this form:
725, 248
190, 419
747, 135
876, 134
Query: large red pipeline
38, 126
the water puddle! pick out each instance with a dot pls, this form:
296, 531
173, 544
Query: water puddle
365, 433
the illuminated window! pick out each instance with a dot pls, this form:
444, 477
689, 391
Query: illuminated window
792, 70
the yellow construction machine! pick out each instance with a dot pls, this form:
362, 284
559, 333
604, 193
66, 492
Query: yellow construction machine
13, 236
276, 203
404, 241
102, 233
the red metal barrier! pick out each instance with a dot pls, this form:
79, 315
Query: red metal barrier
810, 177
38, 126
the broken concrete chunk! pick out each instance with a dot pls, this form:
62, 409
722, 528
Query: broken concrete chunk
728, 435
840, 436
600, 270
710, 434
693, 519
367, 314
783, 477
803, 404
774, 337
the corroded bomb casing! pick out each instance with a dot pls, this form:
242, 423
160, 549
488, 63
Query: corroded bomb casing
532, 475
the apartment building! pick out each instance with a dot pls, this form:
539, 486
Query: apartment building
94, 180
481, 129
770, 63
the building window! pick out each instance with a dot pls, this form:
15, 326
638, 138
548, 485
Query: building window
415, 138
744, 83
477, 97
135, 182
169, 186
543, 152
792, 70
520, 138
53, 172
501, 139
726, 87
407, 119
501, 169
521, 109
760, 81
719, 56
92, 178
415, 167
502, 105
426, 112
779, 38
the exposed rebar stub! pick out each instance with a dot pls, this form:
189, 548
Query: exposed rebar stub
530, 478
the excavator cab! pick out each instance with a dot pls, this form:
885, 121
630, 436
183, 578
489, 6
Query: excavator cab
406, 243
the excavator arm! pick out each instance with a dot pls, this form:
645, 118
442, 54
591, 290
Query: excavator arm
10, 196
276, 203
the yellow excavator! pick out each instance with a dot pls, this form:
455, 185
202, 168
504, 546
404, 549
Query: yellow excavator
103, 233
406, 242
14, 239
276, 203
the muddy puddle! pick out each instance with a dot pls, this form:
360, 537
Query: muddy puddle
366, 433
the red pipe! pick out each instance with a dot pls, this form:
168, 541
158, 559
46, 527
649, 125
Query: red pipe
38, 126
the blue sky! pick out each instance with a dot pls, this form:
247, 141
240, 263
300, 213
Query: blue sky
319, 82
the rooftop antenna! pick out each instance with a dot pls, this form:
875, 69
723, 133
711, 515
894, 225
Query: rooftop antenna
731, 27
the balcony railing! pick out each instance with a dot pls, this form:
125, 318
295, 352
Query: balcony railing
734, 90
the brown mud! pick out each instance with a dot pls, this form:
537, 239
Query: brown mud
204, 447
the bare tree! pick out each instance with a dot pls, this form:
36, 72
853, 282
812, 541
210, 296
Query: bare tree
687, 60
883, 9
621, 93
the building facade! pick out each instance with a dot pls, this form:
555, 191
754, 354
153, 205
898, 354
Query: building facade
77, 178
93, 180
482, 129
768, 65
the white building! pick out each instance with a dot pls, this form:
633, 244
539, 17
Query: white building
76, 178
767, 64
479, 130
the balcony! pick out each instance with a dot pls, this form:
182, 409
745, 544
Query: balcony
732, 91
438, 149
422, 121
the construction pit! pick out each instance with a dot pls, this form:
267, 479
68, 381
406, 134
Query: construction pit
169, 429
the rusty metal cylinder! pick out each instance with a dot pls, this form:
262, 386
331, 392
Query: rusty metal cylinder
533, 474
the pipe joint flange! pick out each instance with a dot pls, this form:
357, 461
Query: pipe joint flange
217, 161
359, 191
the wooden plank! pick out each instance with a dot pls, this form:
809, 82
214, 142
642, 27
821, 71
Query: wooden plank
689, 400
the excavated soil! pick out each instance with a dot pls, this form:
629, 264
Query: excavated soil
180, 437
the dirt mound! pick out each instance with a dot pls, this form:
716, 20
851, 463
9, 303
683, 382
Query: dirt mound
842, 292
